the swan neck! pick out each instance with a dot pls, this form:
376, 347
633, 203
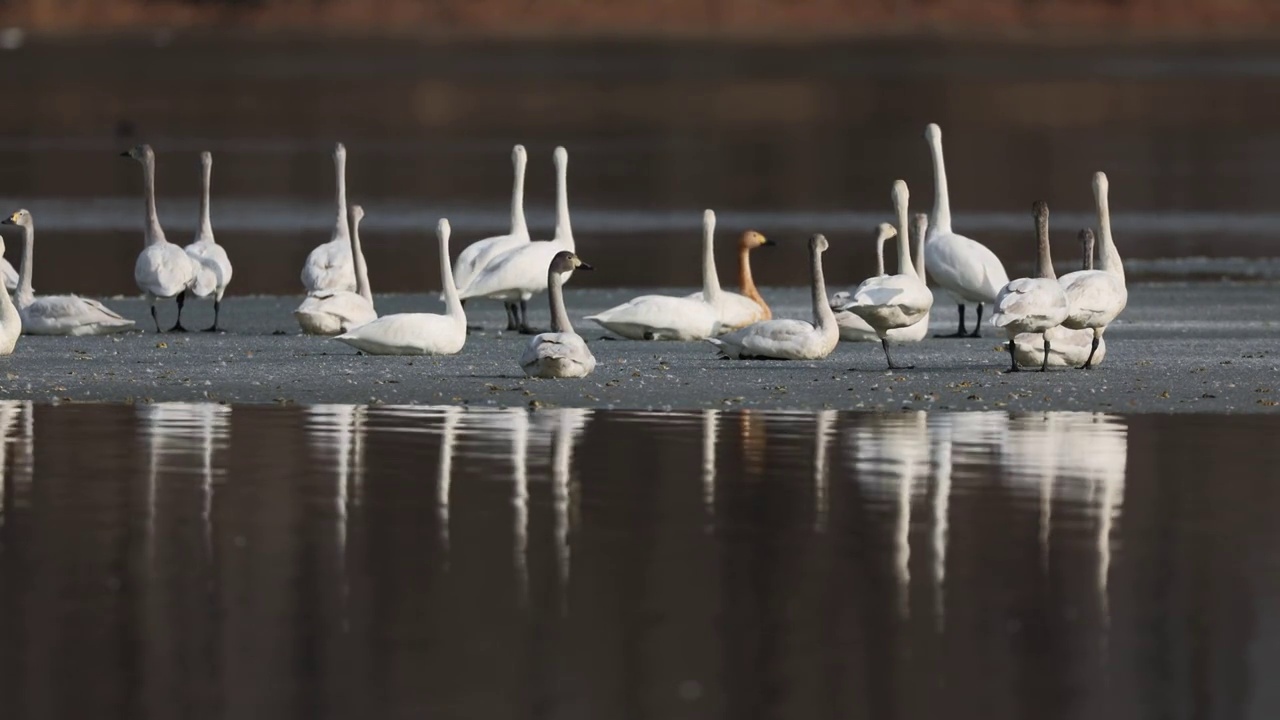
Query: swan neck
564, 231
25, 294
555, 292
453, 305
905, 266
1087, 263
941, 220
1108, 257
919, 266
154, 234
10, 321
880, 255
518, 224
823, 316
1044, 261
341, 228
748, 283
206, 225
710, 279
362, 269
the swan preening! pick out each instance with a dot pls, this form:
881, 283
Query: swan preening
1035, 304
561, 353
330, 266
417, 333
162, 270
212, 266
57, 314
329, 312
476, 256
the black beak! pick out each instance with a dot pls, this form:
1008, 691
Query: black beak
767, 241
7, 221
124, 154
584, 266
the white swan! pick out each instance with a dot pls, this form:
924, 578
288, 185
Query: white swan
10, 320
329, 312
1069, 348
1036, 304
561, 353
330, 266
480, 253
790, 339
894, 301
664, 317
8, 276
1097, 297
852, 327
965, 268
418, 333
740, 310
519, 274
57, 314
213, 267
162, 270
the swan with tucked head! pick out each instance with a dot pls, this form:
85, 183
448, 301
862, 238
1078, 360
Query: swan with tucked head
790, 339
329, 312
1097, 297
162, 270
57, 314
965, 268
330, 265
213, 267
1035, 304
739, 310
10, 320
561, 353
418, 333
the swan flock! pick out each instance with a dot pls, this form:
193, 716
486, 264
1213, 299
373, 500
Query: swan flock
1047, 320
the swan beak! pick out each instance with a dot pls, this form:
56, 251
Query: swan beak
584, 266
124, 154
767, 243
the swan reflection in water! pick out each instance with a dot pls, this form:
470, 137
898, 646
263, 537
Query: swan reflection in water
11, 412
177, 433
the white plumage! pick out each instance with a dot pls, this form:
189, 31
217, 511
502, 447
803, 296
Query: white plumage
330, 265
162, 270
329, 312
1032, 305
561, 353
8, 276
736, 310
213, 267
1095, 298
10, 320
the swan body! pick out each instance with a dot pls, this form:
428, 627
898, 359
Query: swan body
519, 274
8, 276
664, 317
965, 268
737, 310
330, 266
561, 353
476, 256
213, 267
417, 333
330, 312
1035, 304
1067, 348
57, 314
789, 339
1096, 297
162, 269
10, 320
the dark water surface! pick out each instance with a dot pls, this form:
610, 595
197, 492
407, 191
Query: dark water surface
199, 560
789, 139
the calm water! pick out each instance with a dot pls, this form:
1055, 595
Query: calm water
789, 139
341, 561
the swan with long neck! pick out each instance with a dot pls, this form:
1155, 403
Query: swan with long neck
418, 333
521, 273
329, 312
1097, 297
561, 353
739, 310
1035, 304
162, 270
664, 317
10, 320
892, 302
965, 268
790, 339
330, 266
476, 256
1069, 348
56, 314
213, 267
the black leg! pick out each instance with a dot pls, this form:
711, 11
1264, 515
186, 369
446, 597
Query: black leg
524, 313
884, 343
153, 316
513, 322
1093, 349
217, 308
958, 333
1044, 364
177, 326
1013, 357
977, 326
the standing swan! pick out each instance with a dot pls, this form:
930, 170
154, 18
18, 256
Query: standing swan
561, 353
852, 327
965, 268
213, 267
519, 274
329, 312
57, 314
1097, 297
418, 333
10, 321
1036, 304
897, 301
330, 266
478, 254
163, 270
665, 317
790, 339
1070, 347
739, 310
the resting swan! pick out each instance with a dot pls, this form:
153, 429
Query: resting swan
10, 320
739, 310
329, 312
1032, 305
561, 353
57, 314
664, 317
965, 268
162, 270
480, 253
519, 274
894, 301
1070, 348
789, 339
330, 266
418, 333
213, 267
1096, 297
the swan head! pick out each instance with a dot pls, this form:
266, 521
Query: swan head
560, 157
933, 133
885, 231
357, 213
518, 155
21, 217
708, 221
565, 261
443, 229
818, 243
920, 224
751, 240
900, 193
206, 158
1040, 210
339, 151
141, 153
1100, 184
1086, 237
